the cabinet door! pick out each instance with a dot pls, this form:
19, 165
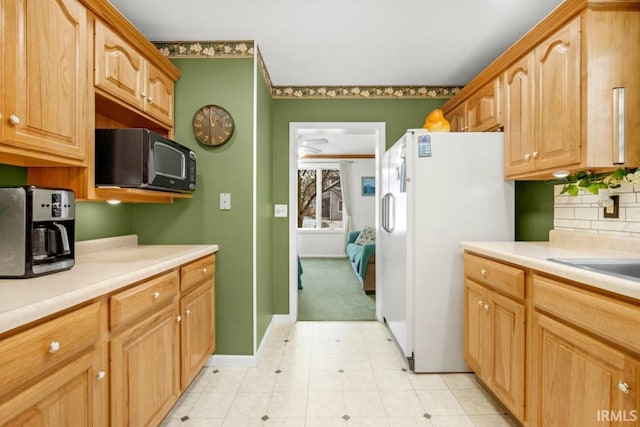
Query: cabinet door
197, 309
483, 108
558, 138
159, 95
518, 117
457, 118
46, 84
582, 382
508, 344
119, 67
477, 340
63, 398
145, 380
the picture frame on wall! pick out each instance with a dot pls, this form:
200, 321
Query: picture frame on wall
368, 185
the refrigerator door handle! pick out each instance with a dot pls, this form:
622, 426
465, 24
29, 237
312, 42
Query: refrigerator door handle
388, 212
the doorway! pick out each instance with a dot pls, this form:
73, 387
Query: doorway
324, 144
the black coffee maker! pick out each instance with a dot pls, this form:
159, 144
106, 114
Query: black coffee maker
37, 231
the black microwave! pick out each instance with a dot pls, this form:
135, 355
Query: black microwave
140, 158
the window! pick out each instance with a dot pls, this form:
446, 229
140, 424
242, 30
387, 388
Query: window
324, 212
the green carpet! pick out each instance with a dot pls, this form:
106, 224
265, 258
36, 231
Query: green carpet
331, 291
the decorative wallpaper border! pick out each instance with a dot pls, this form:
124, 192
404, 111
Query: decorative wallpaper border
247, 49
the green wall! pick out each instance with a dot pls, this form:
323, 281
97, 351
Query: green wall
224, 169
398, 115
12, 175
534, 210
264, 208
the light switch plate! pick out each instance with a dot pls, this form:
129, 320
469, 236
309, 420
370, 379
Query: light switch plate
280, 211
225, 201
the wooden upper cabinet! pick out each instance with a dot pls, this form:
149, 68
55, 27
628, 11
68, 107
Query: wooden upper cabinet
484, 108
159, 95
518, 116
612, 50
542, 106
458, 118
125, 74
119, 67
557, 99
47, 88
480, 112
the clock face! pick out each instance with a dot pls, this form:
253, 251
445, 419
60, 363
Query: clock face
212, 125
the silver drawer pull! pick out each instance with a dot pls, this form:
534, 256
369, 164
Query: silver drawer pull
483, 272
156, 295
187, 312
101, 374
54, 347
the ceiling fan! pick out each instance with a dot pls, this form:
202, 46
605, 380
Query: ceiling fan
308, 146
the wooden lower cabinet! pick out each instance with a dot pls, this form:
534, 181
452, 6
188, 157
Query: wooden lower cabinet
197, 309
64, 398
495, 344
581, 381
52, 374
121, 360
145, 366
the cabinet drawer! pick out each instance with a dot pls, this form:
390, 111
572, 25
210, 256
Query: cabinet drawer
131, 303
505, 278
29, 354
614, 320
197, 272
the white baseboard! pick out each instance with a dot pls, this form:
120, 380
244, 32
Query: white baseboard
246, 361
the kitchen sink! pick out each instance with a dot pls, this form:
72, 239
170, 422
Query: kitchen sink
626, 268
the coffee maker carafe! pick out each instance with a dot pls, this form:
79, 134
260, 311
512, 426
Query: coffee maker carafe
37, 229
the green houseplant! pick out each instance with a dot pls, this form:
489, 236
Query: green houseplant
593, 182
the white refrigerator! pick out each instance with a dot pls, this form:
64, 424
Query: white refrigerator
439, 189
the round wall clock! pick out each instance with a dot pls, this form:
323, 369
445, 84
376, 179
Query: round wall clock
212, 125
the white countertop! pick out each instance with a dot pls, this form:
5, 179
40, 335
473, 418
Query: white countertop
98, 270
535, 255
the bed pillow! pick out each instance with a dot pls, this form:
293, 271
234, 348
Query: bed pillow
367, 235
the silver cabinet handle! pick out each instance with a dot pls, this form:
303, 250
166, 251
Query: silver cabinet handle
527, 157
179, 319
187, 312
619, 112
15, 120
150, 99
624, 387
101, 374
535, 154
156, 295
483, 272
143, 95
486, 307
54, 347
204, 270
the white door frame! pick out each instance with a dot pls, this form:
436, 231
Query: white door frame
377, 129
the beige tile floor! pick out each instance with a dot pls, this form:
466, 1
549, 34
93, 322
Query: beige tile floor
326, 374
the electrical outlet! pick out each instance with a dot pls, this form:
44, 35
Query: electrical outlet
280, 211
613, 210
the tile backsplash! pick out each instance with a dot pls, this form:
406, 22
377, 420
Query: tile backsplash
582, 213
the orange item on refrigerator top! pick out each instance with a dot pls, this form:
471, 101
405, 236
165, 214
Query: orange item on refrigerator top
435, 122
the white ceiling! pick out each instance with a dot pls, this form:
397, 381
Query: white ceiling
351, 42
